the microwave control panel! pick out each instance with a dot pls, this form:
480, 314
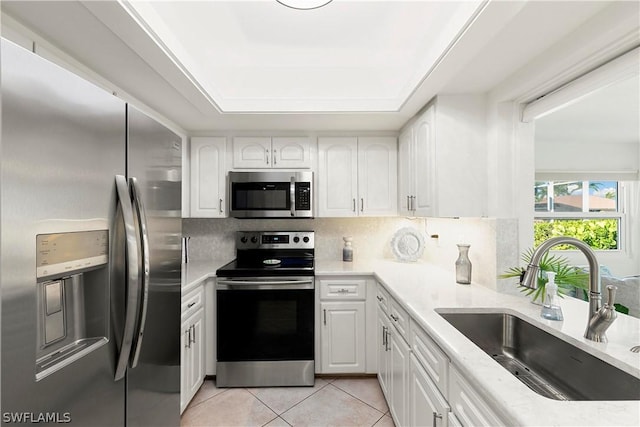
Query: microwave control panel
303, 196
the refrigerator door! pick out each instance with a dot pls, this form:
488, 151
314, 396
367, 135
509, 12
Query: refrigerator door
63, 141
153, 380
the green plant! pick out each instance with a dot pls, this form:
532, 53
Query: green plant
567, 276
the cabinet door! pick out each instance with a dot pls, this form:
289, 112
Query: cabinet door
291, 152
383, 352
378, 176
337, 176
343, 337
252, 152
192, 367
399, 377
424, 161
185, 366
208, 177
405, 171
427, 405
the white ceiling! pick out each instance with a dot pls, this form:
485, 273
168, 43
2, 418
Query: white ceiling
260, 56
257, 65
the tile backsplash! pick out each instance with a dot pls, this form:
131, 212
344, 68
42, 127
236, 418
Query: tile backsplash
493, 241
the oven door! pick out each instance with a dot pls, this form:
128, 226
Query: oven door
265, 328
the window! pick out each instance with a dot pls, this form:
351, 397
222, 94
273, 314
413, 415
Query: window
587, 210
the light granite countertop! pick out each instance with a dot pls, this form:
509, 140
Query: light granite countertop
422, 288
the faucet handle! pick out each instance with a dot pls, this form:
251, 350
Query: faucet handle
611, 294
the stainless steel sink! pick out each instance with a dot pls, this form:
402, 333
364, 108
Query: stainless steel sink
546, 364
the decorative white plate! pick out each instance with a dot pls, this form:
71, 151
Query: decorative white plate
408, 244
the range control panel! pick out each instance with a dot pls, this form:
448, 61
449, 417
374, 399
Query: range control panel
275, 240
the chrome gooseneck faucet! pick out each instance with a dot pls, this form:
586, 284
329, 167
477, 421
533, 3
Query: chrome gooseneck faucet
600, 317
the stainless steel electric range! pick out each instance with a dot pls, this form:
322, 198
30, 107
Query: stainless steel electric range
265, 311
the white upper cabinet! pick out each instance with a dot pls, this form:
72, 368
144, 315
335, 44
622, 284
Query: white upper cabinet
357, 176
442, 160
263, 152
208, 177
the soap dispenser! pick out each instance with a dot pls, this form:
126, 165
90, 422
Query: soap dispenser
550, 308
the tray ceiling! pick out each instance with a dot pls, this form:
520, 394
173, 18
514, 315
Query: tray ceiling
261, 56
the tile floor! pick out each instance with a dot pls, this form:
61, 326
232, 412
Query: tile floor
331, 402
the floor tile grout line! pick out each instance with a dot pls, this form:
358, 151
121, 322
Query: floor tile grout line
312, 394
189, 406
356, 397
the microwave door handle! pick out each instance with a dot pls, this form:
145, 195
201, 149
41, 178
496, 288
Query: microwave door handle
292, 189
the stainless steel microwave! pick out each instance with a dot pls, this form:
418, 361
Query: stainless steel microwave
271, 194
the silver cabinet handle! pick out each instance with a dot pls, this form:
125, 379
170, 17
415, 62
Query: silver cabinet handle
343, 291
386, 343
191, 305
354, 205
325, 315
221, 206
361, 204
395, 318
274, 157
188, 340
384, 337
144, 244
132, 281
435, 418
408, 203
266, 155
413, 203
193, 335
379, 298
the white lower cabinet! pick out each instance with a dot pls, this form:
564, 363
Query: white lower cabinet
343, 337
192, 341
343, 325
421, 386
393, 357
399, 377
428, 406
467, 406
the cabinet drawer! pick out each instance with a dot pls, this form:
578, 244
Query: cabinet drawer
343, 289
431, 357
192, 302
383, 299
399, 318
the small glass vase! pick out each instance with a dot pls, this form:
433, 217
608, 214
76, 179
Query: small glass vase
463, 265
347, 251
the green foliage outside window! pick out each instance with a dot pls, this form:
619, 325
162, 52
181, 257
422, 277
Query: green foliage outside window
598, 233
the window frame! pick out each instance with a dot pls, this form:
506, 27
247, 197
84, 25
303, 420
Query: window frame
621, 215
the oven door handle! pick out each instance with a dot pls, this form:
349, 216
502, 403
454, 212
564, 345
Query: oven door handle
263, 285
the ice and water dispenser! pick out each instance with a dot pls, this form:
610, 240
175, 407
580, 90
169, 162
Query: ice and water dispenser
72, 297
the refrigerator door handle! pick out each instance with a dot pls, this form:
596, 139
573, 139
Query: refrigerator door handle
144, 240
131, 242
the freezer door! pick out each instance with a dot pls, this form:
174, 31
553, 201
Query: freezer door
153, 380
63, 141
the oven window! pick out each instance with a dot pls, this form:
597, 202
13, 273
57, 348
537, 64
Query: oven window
265, 325
261, 196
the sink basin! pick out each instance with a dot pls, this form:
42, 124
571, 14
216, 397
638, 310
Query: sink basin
546, 364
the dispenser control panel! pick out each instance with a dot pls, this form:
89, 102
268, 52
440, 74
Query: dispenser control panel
60, 254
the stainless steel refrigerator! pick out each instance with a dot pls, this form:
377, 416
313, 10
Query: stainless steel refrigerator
90, 202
